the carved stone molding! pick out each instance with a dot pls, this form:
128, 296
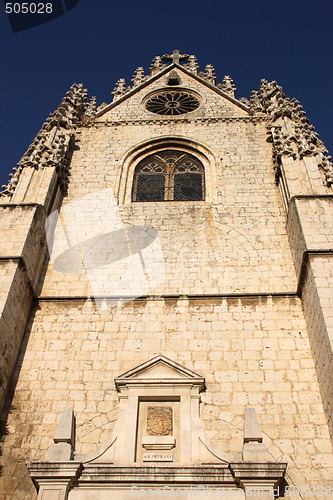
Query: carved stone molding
228, 86
120, 89
231, 119
176, 59
158, 441
156, 65
51, 147
53, 480
138, 77
292, 133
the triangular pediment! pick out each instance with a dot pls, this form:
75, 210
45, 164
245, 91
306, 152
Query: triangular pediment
160, 79
160, 370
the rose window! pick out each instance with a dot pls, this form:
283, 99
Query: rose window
172, 103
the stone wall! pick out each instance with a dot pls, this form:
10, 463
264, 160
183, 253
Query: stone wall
15, 302
235, 241
21, 257
252, 351
310, 223
227, 306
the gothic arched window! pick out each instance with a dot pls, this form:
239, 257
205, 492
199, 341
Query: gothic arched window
169, 176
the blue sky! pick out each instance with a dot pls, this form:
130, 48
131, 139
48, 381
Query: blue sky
98, 42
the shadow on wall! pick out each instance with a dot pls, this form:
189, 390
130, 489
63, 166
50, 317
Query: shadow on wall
9, 407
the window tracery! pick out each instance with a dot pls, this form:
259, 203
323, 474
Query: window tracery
172, 102
169, 176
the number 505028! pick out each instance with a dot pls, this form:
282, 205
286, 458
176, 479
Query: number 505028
29, 8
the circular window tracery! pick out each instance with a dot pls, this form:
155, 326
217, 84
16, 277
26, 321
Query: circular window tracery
170, 102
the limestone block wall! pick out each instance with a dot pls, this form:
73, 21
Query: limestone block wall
235, 241
36, 186
301, 177
204, 251
318, 307
15, 301
22, 251
252, 351
310, 224
227, 306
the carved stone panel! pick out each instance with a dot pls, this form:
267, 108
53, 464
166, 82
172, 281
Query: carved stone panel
158, 436
159, 421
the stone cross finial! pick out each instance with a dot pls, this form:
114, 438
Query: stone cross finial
176, 57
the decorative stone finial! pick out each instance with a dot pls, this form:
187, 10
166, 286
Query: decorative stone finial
291, 132
156, 65
192, 65
209, 74
138, 77
244, 100
255, 102
91, 109
227, 86
51, 145
120, 89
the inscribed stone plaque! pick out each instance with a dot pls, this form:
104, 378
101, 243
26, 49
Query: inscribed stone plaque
157, 457
159, 421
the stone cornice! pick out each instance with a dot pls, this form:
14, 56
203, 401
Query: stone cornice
135, 475
157, 474
167, 121
265, 470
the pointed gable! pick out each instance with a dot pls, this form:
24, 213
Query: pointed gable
215, 101
159, 370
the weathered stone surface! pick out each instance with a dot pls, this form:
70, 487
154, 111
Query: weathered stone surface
231, 305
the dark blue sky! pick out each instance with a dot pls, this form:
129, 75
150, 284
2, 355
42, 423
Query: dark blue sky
100, 41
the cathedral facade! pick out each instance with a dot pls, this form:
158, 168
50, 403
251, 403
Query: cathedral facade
166, 296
